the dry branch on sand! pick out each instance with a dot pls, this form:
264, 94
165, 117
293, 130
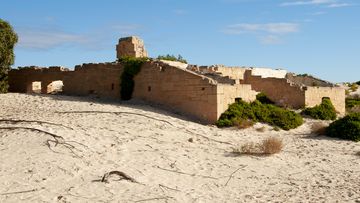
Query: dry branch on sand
58, 140
14, 121
123, 176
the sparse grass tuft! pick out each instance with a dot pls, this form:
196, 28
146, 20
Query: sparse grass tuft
271, 145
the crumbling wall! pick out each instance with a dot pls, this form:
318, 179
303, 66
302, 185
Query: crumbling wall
20, 80
102, 79
177, 88
308, 80
131, 46
278, 90
235, 73
314, 96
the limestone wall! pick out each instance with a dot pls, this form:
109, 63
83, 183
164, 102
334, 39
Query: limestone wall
180, 89
234, 73
227, 94
101, 79
314, 96
21, 80
278, 90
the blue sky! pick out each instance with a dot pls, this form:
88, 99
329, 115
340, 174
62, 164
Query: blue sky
319, 37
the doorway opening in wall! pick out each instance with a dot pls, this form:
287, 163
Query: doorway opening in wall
34, 87
55, 87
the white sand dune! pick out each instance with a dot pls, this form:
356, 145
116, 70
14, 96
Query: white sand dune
158, 155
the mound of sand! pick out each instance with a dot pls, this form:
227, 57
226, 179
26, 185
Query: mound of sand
154, 148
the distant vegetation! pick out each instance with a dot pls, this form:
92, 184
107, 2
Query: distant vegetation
358, 82
169, 57
324, 111
132, 67
347, 128
259, 112
8, 39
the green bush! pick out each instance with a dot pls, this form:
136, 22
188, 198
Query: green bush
324, 111
132, 66
261, 97
352, 102
258, 112
169, 57
347, 128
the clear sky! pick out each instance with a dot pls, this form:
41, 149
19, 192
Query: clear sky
319, 37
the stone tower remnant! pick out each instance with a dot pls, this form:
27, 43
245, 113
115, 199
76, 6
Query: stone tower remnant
131, 46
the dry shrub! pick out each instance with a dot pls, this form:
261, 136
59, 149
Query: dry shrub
243, 123
318, 128
271, 145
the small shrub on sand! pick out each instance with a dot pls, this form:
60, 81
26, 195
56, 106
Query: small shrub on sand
347, 128
271, 145
318, 128
256, 111
324, 111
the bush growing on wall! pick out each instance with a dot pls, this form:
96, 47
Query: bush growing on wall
169, 57
346, 128
132, 66
324, 111
8, 39
256, 111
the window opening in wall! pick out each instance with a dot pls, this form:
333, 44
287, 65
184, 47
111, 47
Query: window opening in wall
34, 87
149, 88
112, 86
55, 87
203, 88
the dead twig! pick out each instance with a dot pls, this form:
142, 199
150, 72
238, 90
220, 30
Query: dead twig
116, 113
231, 175
155, 198
33, 121
123, 176
208, 138
166, 187
58, 140
18, 192
183, 173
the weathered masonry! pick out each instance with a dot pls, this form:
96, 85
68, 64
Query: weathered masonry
203, 92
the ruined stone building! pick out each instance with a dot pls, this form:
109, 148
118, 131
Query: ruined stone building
203, 92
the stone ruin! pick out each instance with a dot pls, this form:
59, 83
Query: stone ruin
201, 92
131, 46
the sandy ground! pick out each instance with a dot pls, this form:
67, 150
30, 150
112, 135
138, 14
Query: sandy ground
158, 155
